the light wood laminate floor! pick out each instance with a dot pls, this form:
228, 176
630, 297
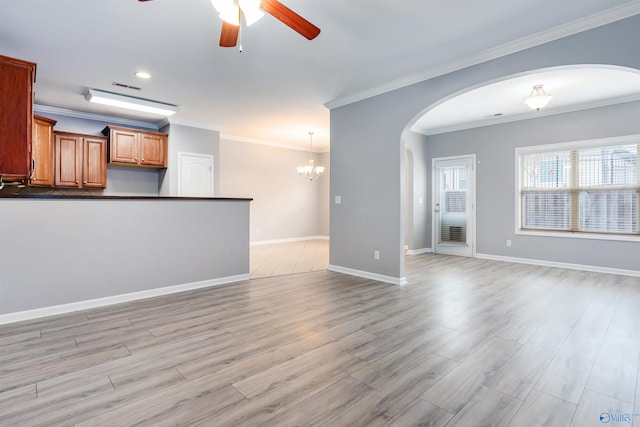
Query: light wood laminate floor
467, 342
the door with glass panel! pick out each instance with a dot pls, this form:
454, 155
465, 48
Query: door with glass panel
453, 205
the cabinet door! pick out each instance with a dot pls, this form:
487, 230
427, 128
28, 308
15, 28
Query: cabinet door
152, 150
16, 115
68, 161
42, 152
94, 173
123, 147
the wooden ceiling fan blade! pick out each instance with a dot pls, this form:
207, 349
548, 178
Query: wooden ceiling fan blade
229, 34
288, 17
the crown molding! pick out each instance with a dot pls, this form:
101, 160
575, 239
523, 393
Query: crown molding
45, 109
235, 138
599, 19
198, 125
529, 115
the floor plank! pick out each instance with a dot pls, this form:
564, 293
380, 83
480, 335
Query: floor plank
486, 408
543, 410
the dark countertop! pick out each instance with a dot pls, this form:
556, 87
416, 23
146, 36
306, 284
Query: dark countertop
88, 197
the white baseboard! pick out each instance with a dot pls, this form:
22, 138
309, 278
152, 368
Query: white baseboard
116, 299
419, 251
369, 275
293, 239
593, 268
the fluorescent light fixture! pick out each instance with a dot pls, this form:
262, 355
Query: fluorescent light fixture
130, 102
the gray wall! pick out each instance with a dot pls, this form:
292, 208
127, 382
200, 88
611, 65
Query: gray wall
417, 193
285, 206
63, 251
367, 149
191, 140
495, 146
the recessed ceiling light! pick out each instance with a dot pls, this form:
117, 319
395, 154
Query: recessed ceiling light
143, 75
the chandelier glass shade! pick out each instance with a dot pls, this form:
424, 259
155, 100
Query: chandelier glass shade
310, 171
538, 98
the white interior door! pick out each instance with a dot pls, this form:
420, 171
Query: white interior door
195, 175
454, 205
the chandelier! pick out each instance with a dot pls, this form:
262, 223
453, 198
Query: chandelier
538, 98
310, 171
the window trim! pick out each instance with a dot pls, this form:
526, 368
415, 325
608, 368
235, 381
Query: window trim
562, 146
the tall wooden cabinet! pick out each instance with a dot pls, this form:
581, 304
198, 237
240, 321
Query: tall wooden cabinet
136, 148
42, 149
16, 112
80, 161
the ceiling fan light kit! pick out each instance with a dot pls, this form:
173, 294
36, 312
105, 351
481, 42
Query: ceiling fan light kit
231, 12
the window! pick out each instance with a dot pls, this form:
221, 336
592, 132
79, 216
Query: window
589, 187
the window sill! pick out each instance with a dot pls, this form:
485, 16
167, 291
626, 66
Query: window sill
580, 235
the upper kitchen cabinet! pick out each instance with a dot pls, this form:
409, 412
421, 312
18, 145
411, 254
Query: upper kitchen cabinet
80, 161
42, 152
136, 148
16, 114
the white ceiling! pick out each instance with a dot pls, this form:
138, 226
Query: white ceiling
276, 89
571, 88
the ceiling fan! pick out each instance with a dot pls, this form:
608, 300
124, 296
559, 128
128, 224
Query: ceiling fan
231, 12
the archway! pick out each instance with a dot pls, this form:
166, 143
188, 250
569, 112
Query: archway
499, 101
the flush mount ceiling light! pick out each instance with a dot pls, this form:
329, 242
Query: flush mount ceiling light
538, 98
310, 171
130, 102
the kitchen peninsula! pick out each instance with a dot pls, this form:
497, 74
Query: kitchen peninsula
68, 253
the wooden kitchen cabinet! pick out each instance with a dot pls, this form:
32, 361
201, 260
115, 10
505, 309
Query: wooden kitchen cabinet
94, 170
42, 152
136, 148
80, 161
16, 115
153, 149
123, 147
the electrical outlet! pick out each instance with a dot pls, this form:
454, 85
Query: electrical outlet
376, 255
508, 243
257, 231
338, 200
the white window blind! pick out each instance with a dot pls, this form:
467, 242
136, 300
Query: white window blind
592, 189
